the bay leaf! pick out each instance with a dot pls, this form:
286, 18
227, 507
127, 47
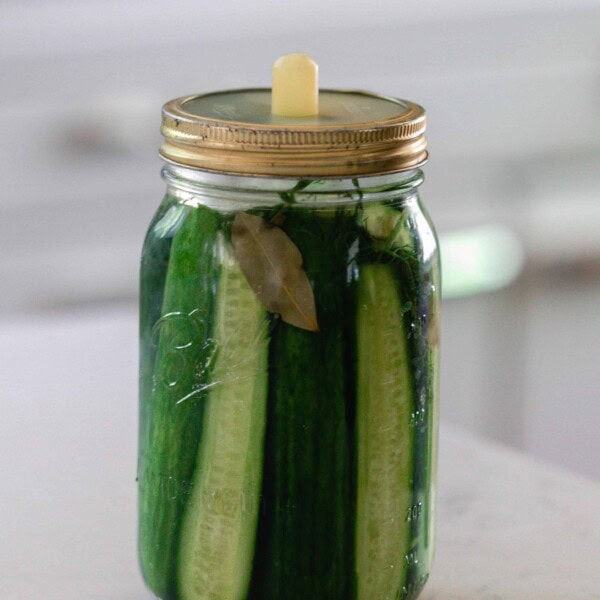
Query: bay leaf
272, 265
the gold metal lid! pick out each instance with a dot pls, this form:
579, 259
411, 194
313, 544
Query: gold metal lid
355, 133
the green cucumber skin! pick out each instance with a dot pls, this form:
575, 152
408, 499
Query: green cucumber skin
153, 273
304, 545
173, 426
385, 440
423, 273
219, 526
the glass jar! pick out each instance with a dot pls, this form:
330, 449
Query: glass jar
288, 387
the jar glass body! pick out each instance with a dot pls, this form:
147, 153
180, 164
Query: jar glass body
288, 456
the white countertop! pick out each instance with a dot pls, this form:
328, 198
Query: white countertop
509, 528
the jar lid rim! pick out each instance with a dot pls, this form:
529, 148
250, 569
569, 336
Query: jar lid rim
196, 134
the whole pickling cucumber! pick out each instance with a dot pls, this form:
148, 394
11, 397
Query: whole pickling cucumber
305, 541
172, 412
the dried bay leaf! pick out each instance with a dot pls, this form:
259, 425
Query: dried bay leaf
272, 265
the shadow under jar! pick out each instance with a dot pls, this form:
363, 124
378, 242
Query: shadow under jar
289, 336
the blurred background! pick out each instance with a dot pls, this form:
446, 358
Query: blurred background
512, 91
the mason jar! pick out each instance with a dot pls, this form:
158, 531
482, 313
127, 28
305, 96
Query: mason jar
289, 339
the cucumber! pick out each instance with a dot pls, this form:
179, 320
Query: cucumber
219, 526
173, 411
384, 436
421, 277
305, 546
153, 273
416, 262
